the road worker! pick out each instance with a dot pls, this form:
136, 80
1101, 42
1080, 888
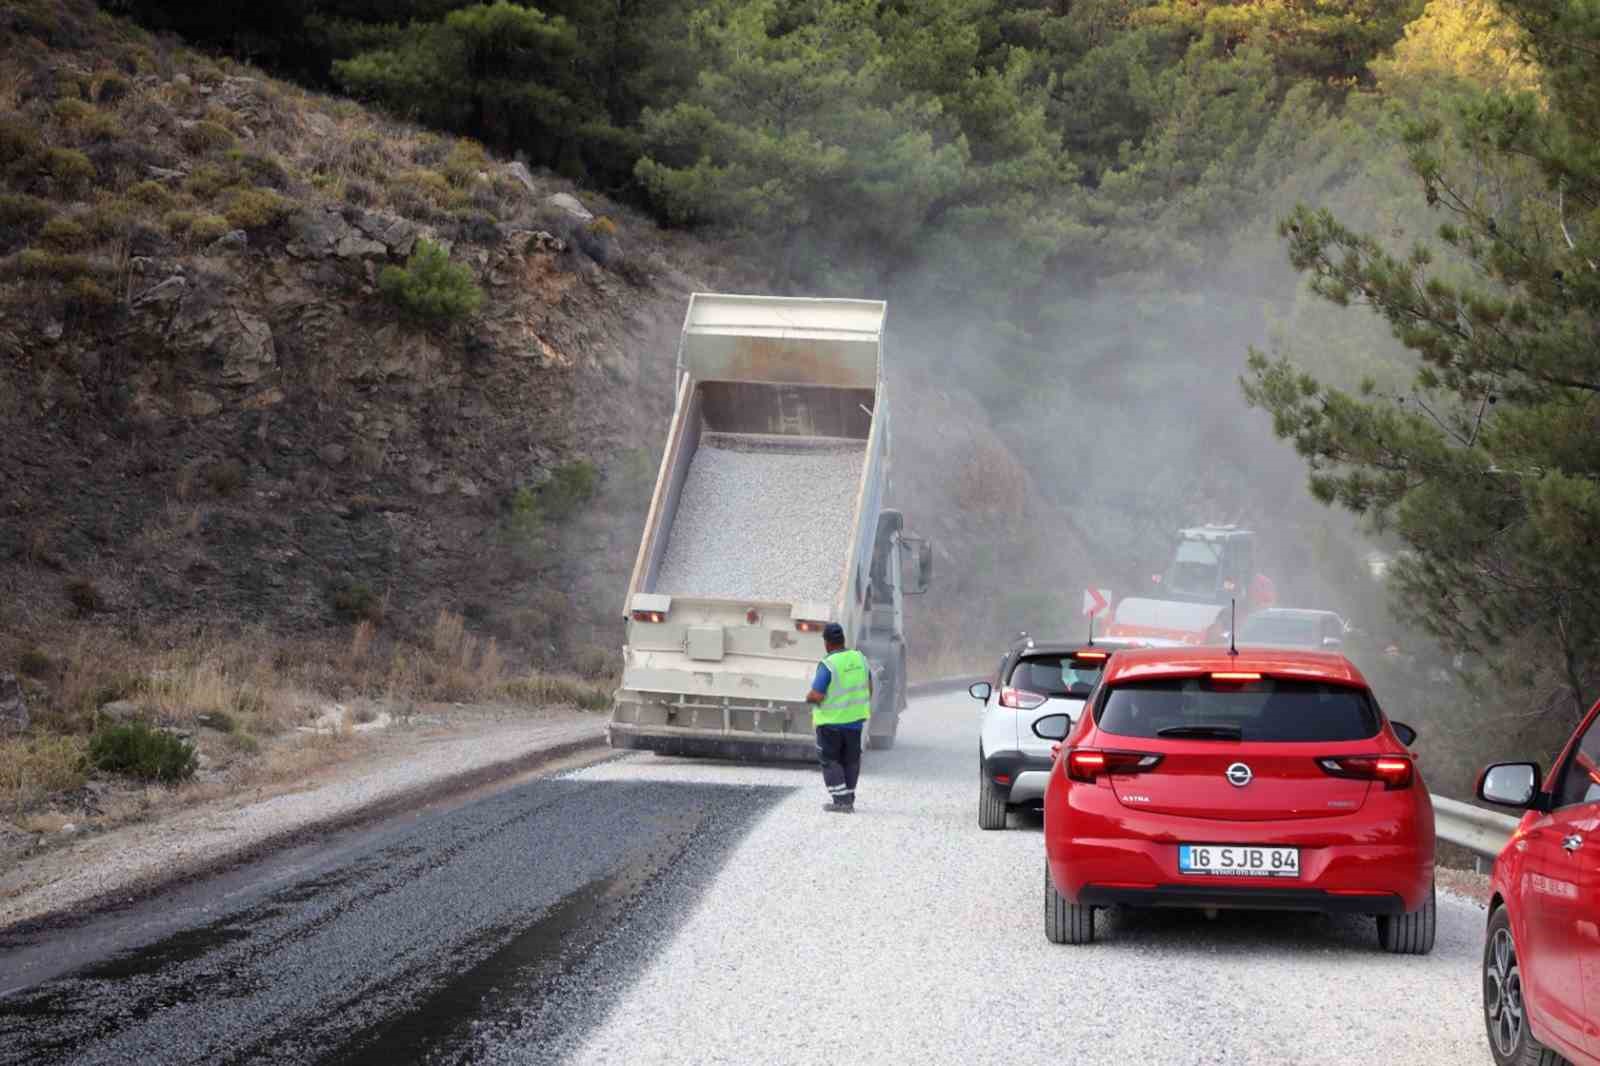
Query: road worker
841, 699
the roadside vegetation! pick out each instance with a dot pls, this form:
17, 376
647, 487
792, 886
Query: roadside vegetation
193, 716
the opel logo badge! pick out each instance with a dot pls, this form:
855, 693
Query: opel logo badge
1239, 775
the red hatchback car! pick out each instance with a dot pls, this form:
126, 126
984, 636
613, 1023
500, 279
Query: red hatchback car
1541, 962
1263, 779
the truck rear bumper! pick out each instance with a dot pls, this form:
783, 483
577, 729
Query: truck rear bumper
688, 725
717, 745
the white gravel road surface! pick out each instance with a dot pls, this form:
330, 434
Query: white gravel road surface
904, 934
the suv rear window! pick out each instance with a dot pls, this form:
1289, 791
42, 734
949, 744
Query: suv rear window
1055, 675
1269, 709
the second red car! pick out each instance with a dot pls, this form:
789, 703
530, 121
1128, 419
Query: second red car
1263, 779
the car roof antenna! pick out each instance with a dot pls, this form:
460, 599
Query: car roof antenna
1091, 631
1233, 624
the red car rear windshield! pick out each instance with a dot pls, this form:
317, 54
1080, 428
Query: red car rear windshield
1269, 709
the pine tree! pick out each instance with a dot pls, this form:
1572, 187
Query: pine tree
1488, 466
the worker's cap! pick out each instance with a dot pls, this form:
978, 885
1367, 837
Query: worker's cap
833, 633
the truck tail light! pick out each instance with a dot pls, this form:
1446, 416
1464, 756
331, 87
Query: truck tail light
1020, 698
809, 625
1394, 771
1089, 764
649, 616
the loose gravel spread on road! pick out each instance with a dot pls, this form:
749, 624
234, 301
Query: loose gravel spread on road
650, 910
904, 934
763, 518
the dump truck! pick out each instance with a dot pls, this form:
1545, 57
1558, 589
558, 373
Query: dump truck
1211, 574
767, 523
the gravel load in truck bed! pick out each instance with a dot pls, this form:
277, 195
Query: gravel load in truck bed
763, 518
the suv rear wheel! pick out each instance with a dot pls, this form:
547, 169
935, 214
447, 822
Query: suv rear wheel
1511, 1042
1064, 922
991, 805
1409, 934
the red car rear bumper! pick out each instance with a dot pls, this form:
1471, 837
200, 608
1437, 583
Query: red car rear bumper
1375, 861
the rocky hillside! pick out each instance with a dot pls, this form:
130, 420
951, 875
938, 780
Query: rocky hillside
209, 411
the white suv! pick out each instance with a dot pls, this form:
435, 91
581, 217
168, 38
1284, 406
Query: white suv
1036, 680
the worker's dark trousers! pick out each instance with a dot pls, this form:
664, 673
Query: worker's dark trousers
839, 751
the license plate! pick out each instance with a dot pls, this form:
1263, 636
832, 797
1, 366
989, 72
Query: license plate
1238, 860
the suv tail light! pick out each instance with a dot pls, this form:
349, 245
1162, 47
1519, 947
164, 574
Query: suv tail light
809, 625
1088, 764
1020, 698
1394, 771
650, 616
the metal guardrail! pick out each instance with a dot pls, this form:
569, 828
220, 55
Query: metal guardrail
1481, 832
1484, 833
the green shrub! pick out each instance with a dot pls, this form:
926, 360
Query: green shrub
206, 136
89, 295
244, 743
261, 169
209, 179
595, 662
465, 161
426, 185
151, 194
430, 287
84, 595
112, 218
19, 141
113, 87
20, 209
36, 263
138, 750
570, 486
255, 208
178, 222
69, 166
207, 227
35, 664
63, 235
70, 112
356, 601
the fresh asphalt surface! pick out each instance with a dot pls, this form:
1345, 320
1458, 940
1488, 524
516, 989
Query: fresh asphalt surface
649, 910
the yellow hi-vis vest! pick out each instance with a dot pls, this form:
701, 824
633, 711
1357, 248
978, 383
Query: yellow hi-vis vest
848, 699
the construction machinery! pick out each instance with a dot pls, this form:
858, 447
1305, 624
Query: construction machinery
767, 523
1211, 575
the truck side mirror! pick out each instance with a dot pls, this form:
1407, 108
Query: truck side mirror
922, 553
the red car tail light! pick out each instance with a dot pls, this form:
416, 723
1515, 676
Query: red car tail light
1020, 698
1087, 764
1393, 770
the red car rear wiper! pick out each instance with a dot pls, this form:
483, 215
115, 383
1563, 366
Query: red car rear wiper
1203, 732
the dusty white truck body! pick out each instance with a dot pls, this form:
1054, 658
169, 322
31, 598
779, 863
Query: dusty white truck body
721, 650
